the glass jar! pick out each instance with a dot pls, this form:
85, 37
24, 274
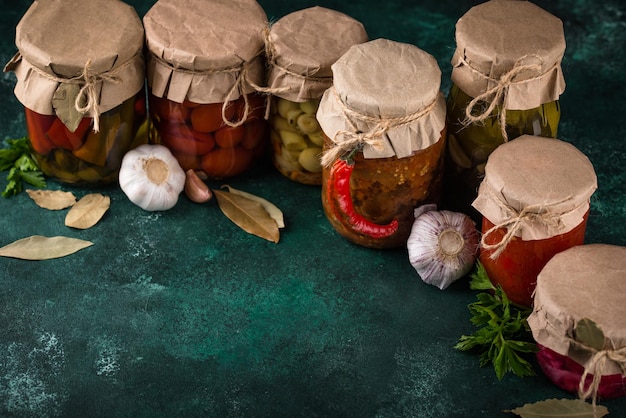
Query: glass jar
383, 153
85, 106
203, 106
302, 47
535, 203
506, 82
579, 320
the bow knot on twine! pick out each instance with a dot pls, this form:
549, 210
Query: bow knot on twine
496, 95
346, 141
531, 214
596, 366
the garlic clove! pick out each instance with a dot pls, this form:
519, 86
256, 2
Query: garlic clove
196, 190
442, 246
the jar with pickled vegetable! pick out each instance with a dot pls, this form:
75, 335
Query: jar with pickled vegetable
301, 48
506, 82
384, 130
204, 59
80, 76
535, 203
579, 320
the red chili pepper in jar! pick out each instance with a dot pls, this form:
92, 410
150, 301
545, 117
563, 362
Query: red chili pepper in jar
340, 202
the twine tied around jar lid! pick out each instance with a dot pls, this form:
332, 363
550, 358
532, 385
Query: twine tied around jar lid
531, 214
596, 366
83, 93
496, 95
354, 139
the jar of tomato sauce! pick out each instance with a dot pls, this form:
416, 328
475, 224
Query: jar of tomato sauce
384, 139
85, 104
579, 320
204, 59
535, 203
302, 46
506, 82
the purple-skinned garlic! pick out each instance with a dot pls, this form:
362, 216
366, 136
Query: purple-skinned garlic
442, 245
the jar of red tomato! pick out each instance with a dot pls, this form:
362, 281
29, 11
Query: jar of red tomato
579, 320
384, 133
302, 47
534, 200
204, 59
85, 104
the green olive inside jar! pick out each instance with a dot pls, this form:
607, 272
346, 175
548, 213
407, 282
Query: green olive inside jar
302, 46
80, 76
204, 57
384, 126
506, 82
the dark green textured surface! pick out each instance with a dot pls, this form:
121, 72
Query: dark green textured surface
180, 313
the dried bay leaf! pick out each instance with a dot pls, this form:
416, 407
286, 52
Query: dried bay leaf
589, 333
87, 211
272, 209
248, 214
38, 247
63, 103
561, 408
52, 199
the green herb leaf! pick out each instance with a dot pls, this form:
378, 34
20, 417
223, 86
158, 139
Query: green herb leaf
22, 168
503, 336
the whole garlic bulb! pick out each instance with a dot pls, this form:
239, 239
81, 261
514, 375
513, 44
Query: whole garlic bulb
151, 177
442, 246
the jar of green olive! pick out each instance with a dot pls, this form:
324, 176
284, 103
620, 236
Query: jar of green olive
506, 82
80, 76
204, 59
384, 141
301, 48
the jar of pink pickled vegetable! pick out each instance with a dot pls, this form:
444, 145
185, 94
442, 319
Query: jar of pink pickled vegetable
204, 59
579, 320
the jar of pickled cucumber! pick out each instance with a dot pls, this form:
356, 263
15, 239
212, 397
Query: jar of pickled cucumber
535, 203
80, 76
506, 82
384, 141
301, 47
579, 320
204, 59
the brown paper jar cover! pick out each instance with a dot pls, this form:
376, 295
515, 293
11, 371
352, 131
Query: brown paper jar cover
389, 90
56, 40
583, 282
494, 37
545, 182
302, 47
204, 51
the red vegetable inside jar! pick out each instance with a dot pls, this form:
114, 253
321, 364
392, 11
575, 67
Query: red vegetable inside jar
579, 320
203, 105
384, 141
85, 106
535, 202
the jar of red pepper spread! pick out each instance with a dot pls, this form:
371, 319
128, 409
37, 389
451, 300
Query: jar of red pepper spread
204, 59
506, 82
535, 202
579, 320
80, 76
384, 123
301, 47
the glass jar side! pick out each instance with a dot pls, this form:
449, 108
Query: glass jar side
297, 140
567, 373
198, 137
470, 144
517, 267
84, 156
371, 202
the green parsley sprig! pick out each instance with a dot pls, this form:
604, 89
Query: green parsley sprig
22, 168
503, 337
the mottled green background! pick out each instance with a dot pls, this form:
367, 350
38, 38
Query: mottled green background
180, 313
